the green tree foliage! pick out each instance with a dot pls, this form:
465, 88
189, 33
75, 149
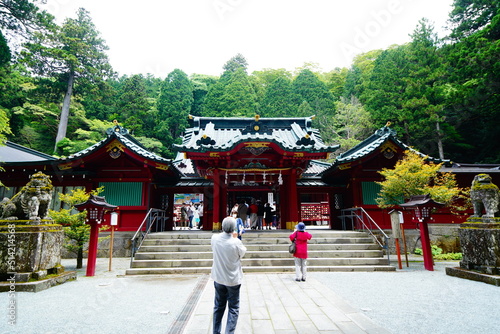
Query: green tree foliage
358, 76
84, 138
73, 54
4, 51
470, 16
174, 105
76, 231
35, 125
134, 109
99, 101
473, 94
412, 176
441, 98
319, 99
18, 14
336, 81
311, 89
201, 84
4, 126
425, 89
350, 125
280, 100
406, 88
234, 64
22, 17
234, 94
267, 76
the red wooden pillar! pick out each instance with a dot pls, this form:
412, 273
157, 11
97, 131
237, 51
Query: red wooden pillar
283, 205
426, 245
216, 217
292, 198
223, 197
169, 226
92, 255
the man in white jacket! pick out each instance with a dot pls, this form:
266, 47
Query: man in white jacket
227, 274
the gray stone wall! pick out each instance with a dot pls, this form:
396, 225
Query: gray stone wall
444, 236
122, 245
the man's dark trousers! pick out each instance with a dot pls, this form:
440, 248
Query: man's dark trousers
229, 295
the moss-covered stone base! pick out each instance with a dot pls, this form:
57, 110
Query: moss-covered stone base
39, 285
30, 248
480, 244
473, 275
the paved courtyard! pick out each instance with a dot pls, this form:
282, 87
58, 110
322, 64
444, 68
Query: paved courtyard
411, 300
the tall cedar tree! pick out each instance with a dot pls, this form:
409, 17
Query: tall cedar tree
174, 105
406, 88
315, 98
74, 54
234, 94
474, 80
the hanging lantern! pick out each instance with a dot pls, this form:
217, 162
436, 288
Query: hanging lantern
280, 179
243, 180
264, 178
226, 177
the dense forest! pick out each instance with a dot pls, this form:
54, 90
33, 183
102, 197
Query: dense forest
58, 92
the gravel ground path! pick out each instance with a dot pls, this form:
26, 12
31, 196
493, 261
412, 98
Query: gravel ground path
416, 301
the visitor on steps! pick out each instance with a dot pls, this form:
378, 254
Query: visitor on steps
240, 227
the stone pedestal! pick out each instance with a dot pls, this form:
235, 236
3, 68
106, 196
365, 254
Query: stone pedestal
30, 252
480, 243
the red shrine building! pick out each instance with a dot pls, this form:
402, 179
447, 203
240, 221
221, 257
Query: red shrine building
225, 161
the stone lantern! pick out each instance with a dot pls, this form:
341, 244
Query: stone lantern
96, 207
422, 207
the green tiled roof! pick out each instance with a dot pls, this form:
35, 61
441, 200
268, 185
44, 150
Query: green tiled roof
371, 144
122, 135
224, 133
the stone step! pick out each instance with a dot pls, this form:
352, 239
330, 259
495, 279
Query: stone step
259, 254
258, 262
267, 251
246, 270
270, 247
196, 234
257, 241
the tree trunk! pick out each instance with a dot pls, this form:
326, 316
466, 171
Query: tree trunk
63, 121
439, 141
79, 258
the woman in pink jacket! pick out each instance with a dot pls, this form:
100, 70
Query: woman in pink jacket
302, 237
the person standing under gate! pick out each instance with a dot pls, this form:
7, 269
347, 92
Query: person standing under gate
252, 211
242, 213
227, 275
190, 214
268, 216
200, 214
184, 216
260, 215
301, 238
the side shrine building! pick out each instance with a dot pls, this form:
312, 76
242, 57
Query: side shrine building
225, 161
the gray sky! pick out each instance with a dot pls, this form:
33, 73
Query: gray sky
199, 36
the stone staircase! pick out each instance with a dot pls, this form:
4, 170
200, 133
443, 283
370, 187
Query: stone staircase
189, 252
